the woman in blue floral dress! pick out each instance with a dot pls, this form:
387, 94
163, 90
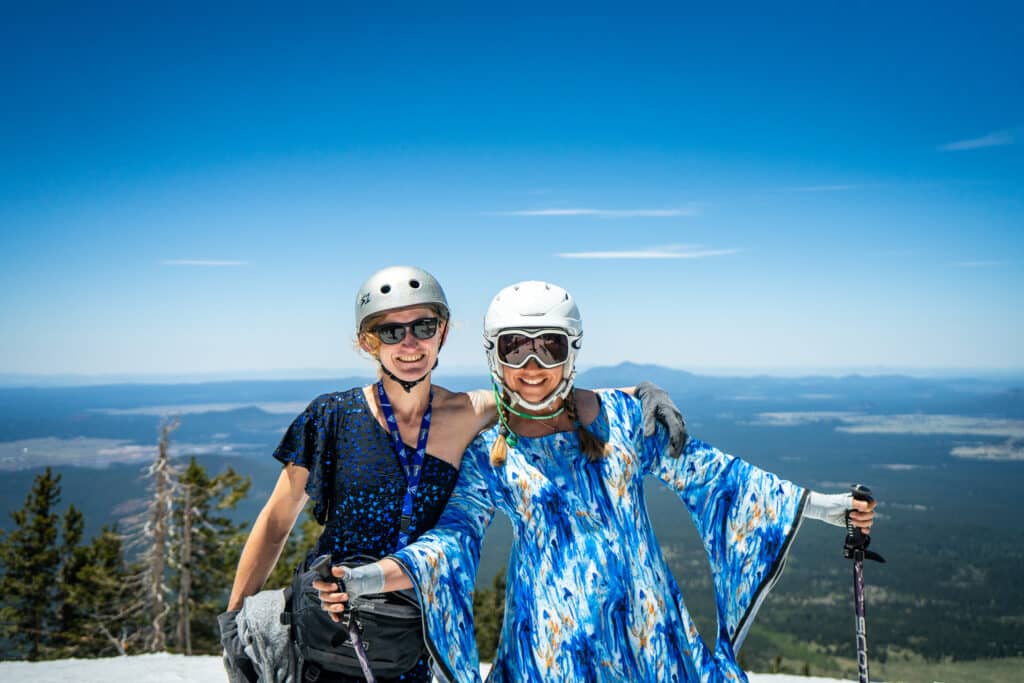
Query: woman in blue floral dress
589, 594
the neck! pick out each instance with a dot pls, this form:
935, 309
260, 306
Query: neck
538, 422
407, 404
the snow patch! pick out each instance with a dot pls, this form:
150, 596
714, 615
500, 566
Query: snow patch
167, 668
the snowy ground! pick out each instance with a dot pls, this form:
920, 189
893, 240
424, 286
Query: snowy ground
166, 668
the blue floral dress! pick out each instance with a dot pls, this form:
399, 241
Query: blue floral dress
589, 595
354, 470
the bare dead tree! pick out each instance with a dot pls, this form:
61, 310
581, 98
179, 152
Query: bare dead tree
149, 532
163, 499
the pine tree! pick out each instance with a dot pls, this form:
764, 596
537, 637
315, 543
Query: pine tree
204, 552
488, 616
30, 560
98, 622
66, 637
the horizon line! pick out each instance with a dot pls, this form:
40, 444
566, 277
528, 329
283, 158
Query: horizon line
10, 380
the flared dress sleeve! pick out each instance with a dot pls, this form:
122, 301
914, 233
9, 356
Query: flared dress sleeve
311, 442
746, 518
442, 564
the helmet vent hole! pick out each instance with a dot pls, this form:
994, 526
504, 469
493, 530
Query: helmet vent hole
385, 289
415, 284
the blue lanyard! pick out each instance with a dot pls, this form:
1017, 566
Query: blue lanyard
412, 465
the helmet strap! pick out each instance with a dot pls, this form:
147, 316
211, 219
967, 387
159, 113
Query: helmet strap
500, 401
406, 384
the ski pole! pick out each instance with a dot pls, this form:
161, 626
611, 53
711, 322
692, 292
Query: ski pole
323, 568
856, 548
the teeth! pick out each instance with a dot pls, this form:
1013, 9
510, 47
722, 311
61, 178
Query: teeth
532, 382
411, 359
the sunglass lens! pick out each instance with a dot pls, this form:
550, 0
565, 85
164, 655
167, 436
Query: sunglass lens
551, 348
390, 333
424, 328
513, 349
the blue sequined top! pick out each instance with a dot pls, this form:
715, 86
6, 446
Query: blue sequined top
369, 485
338, 433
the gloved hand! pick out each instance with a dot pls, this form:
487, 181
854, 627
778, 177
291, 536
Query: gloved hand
363, 580
352, 583
658, 407
833, 508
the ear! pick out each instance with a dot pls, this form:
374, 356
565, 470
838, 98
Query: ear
365, 346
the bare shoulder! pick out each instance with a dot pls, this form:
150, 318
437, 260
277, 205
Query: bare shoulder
450, 401
475, 407
456, 422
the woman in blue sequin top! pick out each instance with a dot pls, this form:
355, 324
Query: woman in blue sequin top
402, 321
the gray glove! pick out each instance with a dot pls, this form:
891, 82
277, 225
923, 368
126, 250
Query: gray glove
365, 580
658, 407
830, 508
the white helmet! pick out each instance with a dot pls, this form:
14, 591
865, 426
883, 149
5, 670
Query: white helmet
398, 287
533, 307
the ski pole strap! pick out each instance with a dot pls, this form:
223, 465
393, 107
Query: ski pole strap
856, 545
412, 464
357, 644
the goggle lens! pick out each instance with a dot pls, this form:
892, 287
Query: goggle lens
393, 333
550, 349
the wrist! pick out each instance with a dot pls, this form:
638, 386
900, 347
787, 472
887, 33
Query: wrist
829, 508
364, 580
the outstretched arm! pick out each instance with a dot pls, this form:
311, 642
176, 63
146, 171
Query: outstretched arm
269, 534
833, 508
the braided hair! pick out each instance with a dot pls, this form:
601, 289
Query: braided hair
590, 444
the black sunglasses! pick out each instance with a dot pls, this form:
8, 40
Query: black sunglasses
393, 333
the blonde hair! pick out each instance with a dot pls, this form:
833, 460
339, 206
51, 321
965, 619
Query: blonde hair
591, 444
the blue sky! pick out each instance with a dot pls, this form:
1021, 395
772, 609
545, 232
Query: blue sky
202, 190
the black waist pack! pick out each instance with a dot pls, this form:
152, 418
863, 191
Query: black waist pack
389, 625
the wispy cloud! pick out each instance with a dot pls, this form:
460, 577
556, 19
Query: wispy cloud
202, 262
681, 251
996, 139
979, 264
821, 188
603, 213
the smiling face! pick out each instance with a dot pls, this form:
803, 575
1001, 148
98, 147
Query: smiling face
533, 382
412, 357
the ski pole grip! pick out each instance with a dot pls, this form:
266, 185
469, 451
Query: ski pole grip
861, 492
322, 567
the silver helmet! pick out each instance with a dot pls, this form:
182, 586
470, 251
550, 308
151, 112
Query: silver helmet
533, 306
398, 287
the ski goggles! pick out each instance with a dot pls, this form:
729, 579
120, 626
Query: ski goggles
548, 347
393, 333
